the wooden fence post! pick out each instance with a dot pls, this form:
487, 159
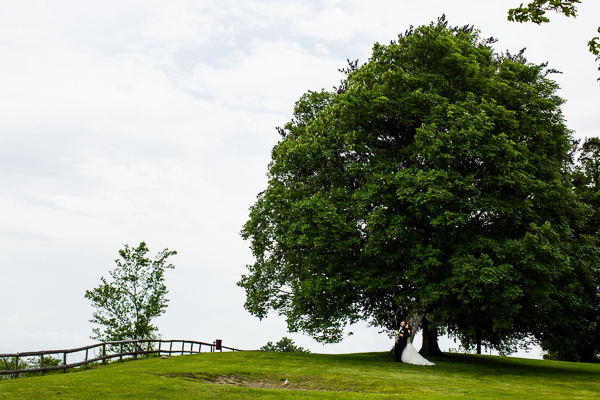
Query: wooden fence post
86, 358
148, 350
182, 346
16, 366
159, 344
42, 364
121, 351
170, 348
103, 353
65, 362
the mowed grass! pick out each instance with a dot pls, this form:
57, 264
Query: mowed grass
260, 375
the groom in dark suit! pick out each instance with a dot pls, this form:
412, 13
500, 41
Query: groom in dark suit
403, 334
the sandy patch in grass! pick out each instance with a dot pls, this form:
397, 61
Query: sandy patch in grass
248, 382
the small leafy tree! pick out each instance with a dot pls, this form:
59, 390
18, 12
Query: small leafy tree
127, 305
285, 345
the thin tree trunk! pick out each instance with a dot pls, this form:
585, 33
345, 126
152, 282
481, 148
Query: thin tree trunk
478, 339
430, 343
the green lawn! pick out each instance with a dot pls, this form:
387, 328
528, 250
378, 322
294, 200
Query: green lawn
260, 375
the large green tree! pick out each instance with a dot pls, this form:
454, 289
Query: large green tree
126, 306
429, 183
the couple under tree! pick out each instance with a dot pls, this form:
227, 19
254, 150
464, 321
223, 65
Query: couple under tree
404, 350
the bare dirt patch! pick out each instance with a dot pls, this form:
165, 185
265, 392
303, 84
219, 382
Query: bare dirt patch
268, 382
236, 380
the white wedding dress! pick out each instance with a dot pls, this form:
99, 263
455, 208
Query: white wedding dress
410, 355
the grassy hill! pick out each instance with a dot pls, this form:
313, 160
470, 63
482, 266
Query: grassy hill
259, 375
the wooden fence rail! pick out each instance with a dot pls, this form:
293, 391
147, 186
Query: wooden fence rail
138, 350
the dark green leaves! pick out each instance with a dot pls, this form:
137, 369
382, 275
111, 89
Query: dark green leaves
432, 181
536, 10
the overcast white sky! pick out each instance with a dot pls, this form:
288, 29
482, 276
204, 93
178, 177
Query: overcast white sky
124, 121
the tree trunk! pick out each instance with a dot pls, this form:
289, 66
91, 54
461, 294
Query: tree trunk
414, 318
430, 344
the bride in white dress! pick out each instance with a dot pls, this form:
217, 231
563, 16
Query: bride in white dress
410, 355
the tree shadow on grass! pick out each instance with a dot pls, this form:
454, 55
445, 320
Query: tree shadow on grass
482, 365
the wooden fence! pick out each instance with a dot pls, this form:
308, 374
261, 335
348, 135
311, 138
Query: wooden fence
139, 349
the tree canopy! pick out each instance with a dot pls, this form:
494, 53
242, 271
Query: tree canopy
429, 182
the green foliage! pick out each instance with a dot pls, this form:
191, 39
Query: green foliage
8, 364
579, 340
594, 46
127, 305
285, 345
587, 172
536, 11
432, 178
